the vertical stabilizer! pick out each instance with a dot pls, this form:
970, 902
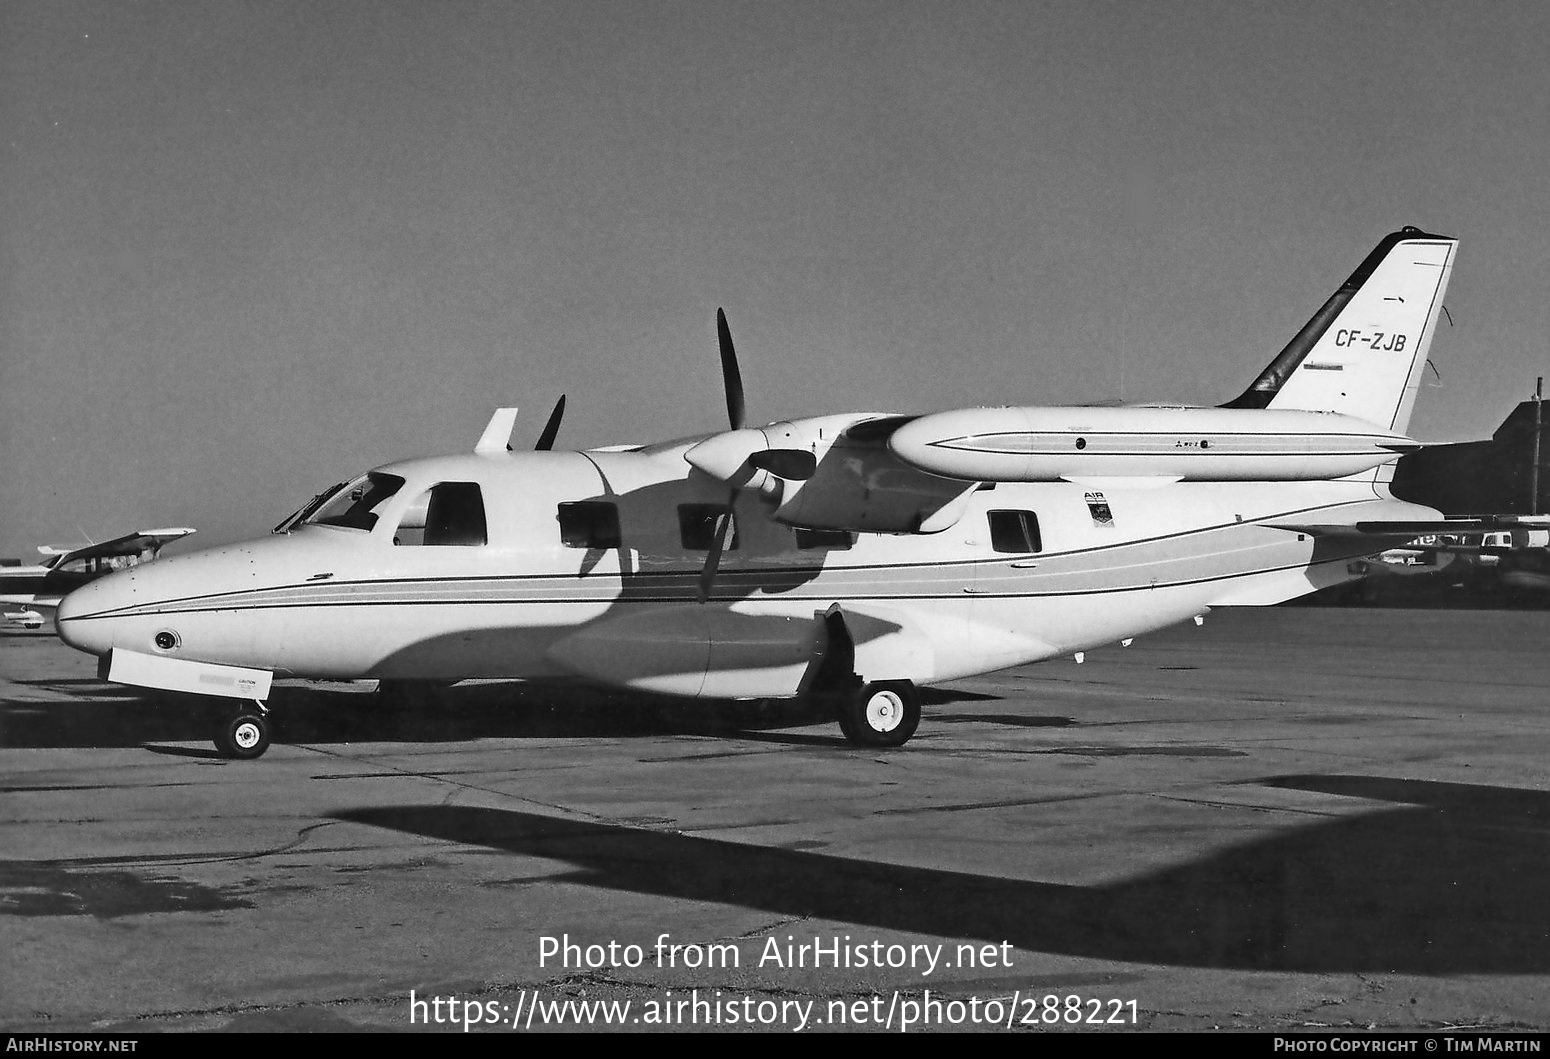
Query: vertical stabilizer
1363, 352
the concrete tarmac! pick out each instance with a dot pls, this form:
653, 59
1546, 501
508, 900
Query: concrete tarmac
1287, 819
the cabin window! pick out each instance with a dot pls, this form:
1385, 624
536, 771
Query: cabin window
449, 514
354, 505
589, 524
95, 565
838, 540
697, 526
1015, 531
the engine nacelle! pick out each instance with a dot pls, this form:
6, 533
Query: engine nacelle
857, 484
1189, 444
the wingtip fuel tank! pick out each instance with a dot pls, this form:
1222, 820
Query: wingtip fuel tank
1029, 444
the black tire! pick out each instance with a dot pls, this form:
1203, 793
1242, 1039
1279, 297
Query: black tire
243, 735
882, 713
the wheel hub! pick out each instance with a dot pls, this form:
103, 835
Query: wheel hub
884, 711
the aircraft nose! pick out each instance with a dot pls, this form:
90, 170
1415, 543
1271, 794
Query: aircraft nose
78, 618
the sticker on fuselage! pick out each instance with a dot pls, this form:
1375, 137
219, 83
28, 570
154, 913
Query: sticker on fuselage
1098, 507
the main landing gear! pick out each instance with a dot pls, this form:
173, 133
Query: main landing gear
244, 734
882, 713
872, 714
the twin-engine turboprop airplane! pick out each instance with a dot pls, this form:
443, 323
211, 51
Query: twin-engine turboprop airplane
852, 557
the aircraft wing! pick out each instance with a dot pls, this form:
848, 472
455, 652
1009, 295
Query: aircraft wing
152, 540
27, 603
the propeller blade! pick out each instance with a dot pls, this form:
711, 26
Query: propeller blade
713, 557
729, 373
551, 428
795, 464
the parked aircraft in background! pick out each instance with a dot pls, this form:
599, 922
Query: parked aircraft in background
38, 588
1417, 559
851, 557
1525, 575
1436, 553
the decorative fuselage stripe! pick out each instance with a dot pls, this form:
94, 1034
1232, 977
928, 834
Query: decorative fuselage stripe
859, 582
690, 594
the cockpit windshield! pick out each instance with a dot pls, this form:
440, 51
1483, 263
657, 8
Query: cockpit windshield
293, 520
352, 505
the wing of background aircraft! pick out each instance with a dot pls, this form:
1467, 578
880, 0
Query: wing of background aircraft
35, 589
139, 542
1518, 531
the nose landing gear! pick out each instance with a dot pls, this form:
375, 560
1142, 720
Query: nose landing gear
244, 735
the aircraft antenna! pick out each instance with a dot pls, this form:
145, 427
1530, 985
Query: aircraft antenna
1124, 350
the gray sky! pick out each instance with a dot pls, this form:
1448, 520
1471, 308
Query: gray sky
248, 249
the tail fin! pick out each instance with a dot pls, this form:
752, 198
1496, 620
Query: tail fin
1362, 354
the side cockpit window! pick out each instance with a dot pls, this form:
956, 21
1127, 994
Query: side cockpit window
449, 514
355, 504
589, 524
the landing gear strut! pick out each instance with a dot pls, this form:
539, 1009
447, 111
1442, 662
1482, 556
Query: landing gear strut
879, 713
882, 713
244, 735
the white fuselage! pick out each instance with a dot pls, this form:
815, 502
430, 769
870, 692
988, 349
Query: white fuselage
1112, 560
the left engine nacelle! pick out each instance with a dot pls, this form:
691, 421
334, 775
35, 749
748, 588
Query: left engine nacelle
856, 483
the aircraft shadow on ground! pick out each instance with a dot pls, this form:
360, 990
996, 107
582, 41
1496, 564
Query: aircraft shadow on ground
133, 717
1447, 882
